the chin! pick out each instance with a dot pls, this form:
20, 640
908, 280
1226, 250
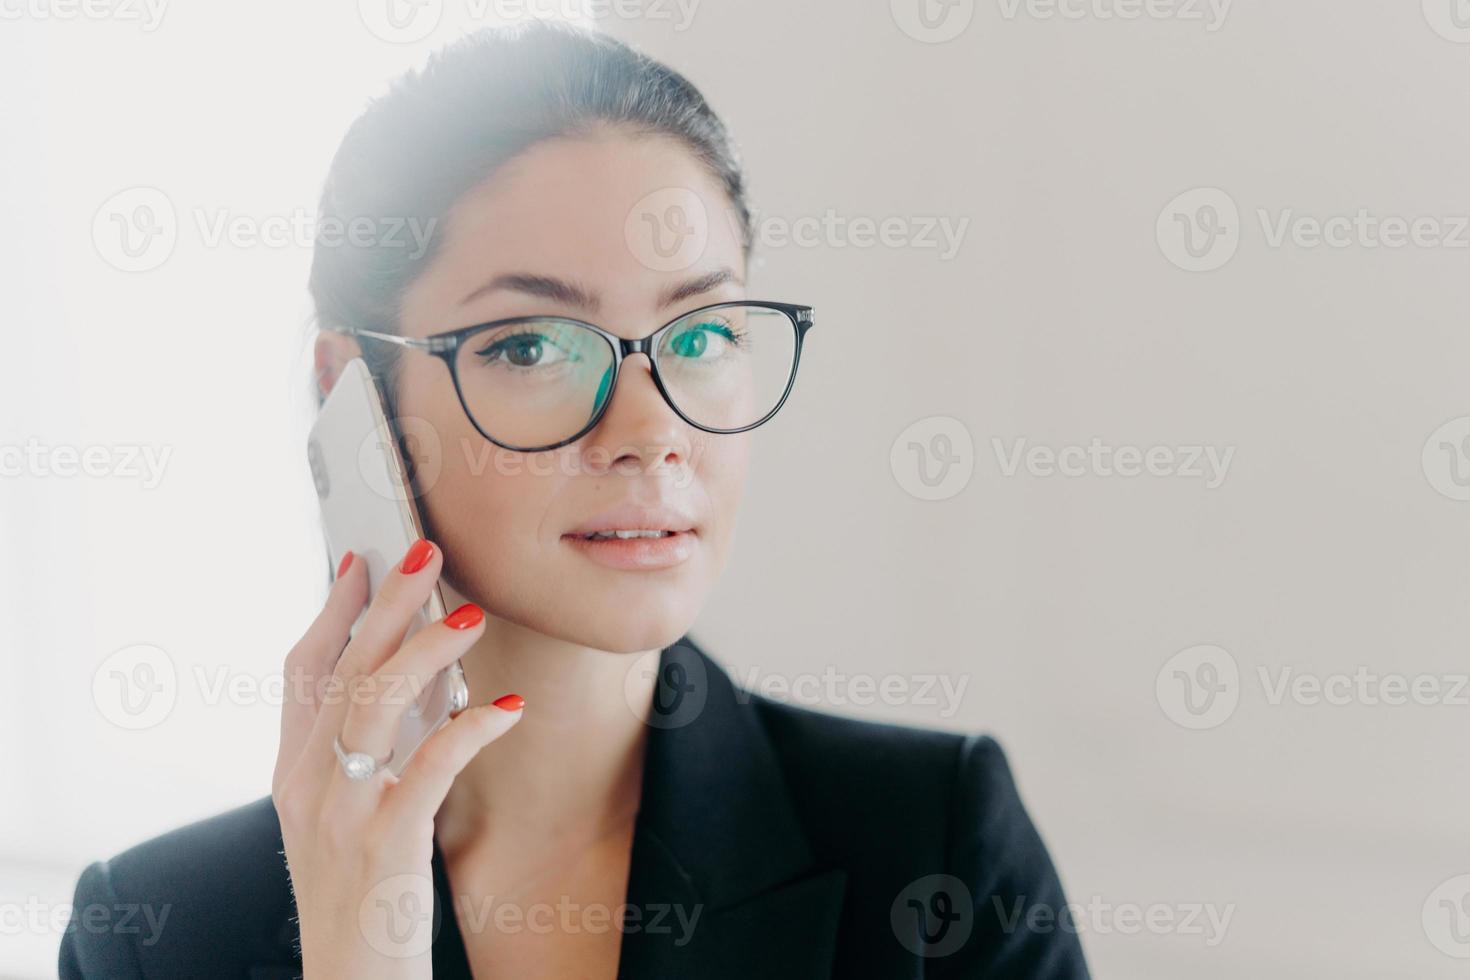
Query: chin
634, 637
630, 628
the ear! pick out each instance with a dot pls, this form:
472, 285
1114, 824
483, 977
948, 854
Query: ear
333, 351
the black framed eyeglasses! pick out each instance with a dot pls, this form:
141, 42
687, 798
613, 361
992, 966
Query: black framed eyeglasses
534, 383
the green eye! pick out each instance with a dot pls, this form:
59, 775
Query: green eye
695, 342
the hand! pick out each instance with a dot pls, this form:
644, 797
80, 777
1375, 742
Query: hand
359, 851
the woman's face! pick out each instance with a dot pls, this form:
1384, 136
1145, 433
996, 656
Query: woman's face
563, 219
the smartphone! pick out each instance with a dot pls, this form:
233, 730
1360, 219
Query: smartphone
368, 509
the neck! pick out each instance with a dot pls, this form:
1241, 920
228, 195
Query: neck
573, 764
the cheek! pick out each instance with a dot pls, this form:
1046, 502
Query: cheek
720, 469
480, 501
496, 501
489, 513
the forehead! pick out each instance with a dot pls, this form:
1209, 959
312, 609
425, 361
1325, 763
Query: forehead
623, 215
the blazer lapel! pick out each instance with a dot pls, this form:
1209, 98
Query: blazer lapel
723, 883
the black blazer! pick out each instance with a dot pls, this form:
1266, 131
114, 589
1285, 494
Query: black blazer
808, 845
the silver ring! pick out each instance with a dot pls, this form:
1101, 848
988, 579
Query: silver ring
358, 765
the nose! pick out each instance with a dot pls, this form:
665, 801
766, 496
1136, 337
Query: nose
639, 427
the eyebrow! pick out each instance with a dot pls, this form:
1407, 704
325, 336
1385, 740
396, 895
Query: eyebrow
573, 294
700, 284
547, 287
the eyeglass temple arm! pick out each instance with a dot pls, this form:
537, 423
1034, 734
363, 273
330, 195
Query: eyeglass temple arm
431, 344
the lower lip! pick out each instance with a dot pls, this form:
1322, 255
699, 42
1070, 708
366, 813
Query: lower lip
637, 554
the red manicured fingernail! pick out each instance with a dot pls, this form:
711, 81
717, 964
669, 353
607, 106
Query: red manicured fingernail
509, 702
346, 564
418, 556
464, 617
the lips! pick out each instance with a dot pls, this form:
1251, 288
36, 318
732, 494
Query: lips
630, 537
634, 522
627, 535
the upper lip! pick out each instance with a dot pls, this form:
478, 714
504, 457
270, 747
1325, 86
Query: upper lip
637, 517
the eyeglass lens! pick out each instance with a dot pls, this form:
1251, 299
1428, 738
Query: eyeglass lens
539, 382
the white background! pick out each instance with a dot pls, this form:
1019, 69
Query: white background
1063, 317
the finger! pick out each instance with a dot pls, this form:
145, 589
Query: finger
314, 657
399, 598
420, 791
402, 593
381, 699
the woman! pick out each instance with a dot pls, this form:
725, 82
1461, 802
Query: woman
585, 498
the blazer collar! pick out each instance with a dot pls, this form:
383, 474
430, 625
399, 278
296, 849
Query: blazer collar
723, 883
717, 838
